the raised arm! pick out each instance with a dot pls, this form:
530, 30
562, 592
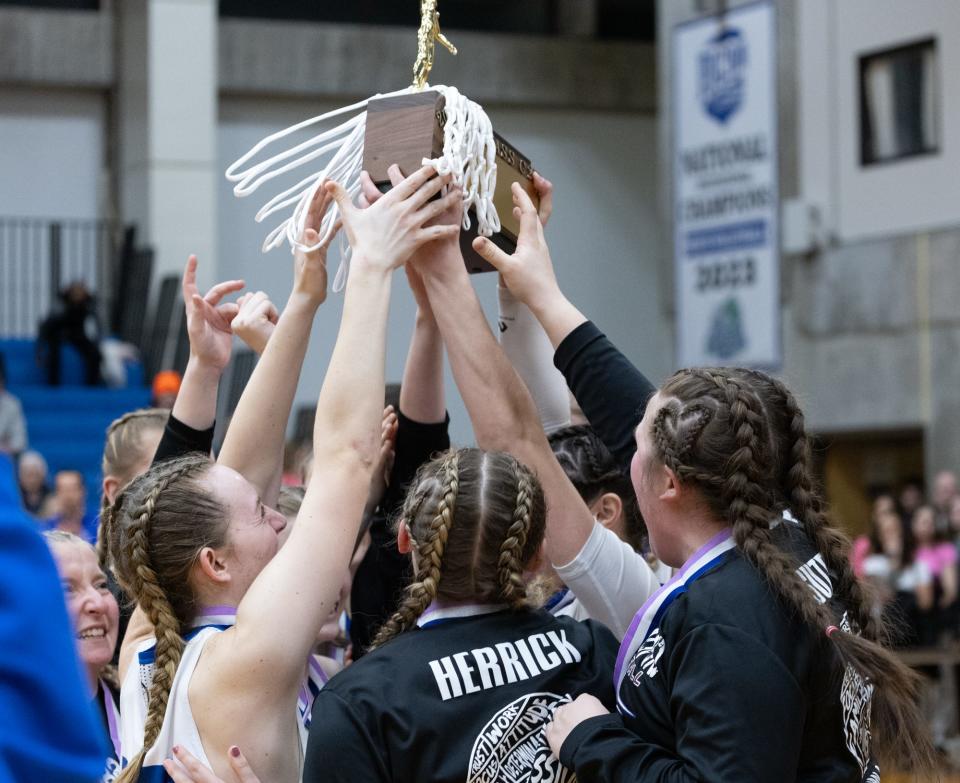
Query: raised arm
526, 343
503, 414
260, 421
279, 616
611, 392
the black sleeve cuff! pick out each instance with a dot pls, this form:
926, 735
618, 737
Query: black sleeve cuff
574, 343
432, 431
179, 439
582, 732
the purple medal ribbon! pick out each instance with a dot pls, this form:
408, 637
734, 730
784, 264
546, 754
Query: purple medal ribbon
699, 563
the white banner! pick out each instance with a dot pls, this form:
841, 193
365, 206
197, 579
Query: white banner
725, 188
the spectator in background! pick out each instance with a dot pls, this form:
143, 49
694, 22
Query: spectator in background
955, 521
76, 324
911, 498
863, 546
166, 387
70, 507
944, 491
13, 427
904, 584
939, 555
34, 490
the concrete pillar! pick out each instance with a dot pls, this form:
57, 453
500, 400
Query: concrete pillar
166, 128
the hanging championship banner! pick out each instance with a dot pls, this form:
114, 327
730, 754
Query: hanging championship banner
726, 201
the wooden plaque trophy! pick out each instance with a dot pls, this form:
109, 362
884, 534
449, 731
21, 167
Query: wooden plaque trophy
408, 127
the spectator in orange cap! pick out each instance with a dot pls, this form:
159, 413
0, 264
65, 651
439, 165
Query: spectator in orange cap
166, 386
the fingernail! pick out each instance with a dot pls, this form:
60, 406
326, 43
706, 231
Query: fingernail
235, 751
176, 750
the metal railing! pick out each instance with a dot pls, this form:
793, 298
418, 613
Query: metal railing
38, 257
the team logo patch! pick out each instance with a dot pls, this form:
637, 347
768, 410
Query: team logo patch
512, 747
722, 74
645, 659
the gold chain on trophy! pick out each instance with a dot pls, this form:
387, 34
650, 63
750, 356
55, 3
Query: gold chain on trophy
427, 36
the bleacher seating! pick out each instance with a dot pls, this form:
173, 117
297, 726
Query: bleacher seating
67, 423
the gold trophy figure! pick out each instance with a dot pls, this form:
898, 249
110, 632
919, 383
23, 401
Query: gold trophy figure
427, 36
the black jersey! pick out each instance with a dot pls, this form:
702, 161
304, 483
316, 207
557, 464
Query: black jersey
725, 685
463, 699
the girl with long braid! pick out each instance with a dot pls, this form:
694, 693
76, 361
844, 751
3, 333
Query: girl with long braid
465, 674
760, 659
464, 654
197, 546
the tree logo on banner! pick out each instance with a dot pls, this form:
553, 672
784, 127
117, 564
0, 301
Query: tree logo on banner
722, 74
726, 337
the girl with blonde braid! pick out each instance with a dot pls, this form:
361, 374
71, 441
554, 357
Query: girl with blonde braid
465, 653
197, 545
760, 659
465, 674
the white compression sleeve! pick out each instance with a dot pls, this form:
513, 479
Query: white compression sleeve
529, 350
610, 579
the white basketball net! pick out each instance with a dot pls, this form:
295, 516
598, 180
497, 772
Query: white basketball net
469, 155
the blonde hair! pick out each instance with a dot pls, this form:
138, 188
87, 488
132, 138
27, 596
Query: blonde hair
158, 525
476, 519
122, 450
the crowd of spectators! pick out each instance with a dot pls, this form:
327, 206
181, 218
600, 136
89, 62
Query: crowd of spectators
910, 557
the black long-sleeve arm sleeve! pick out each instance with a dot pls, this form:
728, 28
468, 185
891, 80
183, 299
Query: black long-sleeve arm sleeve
611, 392
179, 439
737, 710
383, 572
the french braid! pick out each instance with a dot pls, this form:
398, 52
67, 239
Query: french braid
137, 566
510, 562
430, 551
746, 496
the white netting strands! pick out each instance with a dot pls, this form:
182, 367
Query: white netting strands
469, 154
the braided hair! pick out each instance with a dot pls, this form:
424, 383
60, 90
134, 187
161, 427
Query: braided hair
122, 454
476, 520
160, 522
739, 437
594, 471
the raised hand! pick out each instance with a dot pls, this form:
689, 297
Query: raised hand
255, 321
387, 232
528, 272
544, 188
208, 319
310, 269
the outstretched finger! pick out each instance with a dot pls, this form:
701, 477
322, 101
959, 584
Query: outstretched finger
211, 314
189, 283
318, 206
410, 185
240, 766
437, 207
429, 189
338, 194
368, 188
529, 219
177, 773
196, 771
544, 188
220, 290
491, 253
